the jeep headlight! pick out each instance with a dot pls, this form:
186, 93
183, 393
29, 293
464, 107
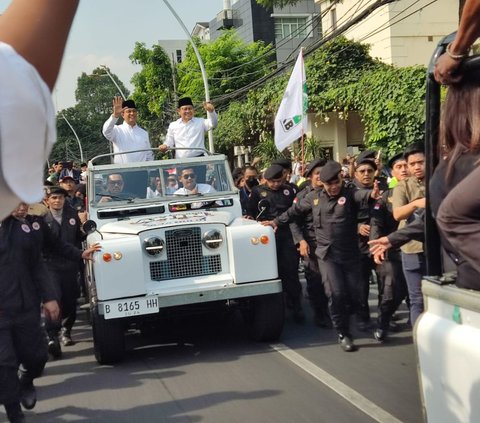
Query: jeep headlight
212, 239
154, 246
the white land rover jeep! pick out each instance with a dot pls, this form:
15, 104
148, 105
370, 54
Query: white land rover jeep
166, 245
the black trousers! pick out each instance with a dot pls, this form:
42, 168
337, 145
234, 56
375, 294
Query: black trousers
66, 284
287, 262
342, 290
366, 266
392, 289
22, 341
315, 289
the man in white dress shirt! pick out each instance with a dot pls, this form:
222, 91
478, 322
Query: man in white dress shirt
127, 136
189, 180
189, 131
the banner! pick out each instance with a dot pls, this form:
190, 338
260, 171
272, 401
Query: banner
291, 118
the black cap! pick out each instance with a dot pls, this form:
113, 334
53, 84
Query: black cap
282, 161
130, 104
330, 171
366, 154
185, 101
56, 190
394, 159
67, 177
312, 165
275, 171
413, 149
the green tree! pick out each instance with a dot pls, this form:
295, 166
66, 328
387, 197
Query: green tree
94, 95
230, 64
153, 89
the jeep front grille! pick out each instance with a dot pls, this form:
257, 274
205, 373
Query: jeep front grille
184, 257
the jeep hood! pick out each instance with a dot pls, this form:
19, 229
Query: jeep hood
136, 225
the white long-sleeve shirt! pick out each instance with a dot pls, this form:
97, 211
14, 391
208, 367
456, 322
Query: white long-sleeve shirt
190, 134
126, 138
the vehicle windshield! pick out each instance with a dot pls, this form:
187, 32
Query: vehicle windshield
161, 181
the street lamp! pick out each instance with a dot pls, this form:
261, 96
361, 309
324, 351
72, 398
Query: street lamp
76, 137
202, 68
113, 80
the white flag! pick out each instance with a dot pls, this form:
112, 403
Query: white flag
291, 119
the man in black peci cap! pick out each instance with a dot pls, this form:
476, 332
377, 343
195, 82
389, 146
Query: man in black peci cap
128, 136
334, 210
266, 202
189, 131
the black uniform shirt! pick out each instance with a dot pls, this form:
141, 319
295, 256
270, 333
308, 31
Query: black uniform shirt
302, 226
278, 201
334, 219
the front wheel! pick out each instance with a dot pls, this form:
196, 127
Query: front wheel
108, 339
264, 317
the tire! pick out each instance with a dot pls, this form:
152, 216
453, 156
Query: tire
264, 317
108, 339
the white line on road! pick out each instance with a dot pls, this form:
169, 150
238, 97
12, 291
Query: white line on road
352, 396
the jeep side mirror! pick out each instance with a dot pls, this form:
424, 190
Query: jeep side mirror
89, 227
263, 206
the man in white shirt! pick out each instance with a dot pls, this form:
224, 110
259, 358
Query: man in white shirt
189, 131
189, 180
128, 136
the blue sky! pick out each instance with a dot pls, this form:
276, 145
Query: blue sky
105, 31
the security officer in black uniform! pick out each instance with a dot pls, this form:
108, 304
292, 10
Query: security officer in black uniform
304, 237
287, 172
392, 284
64, 224
265, 203
334, 211
22, 339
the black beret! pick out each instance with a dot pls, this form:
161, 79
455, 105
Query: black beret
366, 154
413, 149
185, 101
312, 165
275, 171
366, 160
130, 104
56, 190
395, 158
282, 161
330, 171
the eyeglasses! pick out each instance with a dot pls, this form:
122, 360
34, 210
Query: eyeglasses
115, 182
189, 176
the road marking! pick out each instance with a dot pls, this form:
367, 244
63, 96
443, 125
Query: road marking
353, 397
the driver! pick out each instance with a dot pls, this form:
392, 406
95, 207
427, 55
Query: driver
189, 180
114, 189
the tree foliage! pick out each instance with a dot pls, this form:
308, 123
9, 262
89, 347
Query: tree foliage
93, 95
153, 88
230, 64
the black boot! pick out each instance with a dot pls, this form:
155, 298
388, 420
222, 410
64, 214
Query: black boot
28, 394
54, 347
66, 338
14, 413
346, 342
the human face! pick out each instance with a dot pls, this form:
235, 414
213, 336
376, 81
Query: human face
172, 181
115, 183
56, 201
332, 188
130, 116
186, 113
315, 177
188, 179
21, 211
68, 185
365, 175
416, 165
275, 184
400, 170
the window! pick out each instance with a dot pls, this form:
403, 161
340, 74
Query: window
333, 18
179, 56
291, 27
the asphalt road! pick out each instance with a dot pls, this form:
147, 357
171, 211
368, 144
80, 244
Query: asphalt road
207, 370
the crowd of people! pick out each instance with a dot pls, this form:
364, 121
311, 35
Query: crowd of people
330, 222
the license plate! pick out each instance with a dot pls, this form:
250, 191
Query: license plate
129, 308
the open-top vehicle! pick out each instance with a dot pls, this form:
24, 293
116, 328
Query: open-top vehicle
166, 246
